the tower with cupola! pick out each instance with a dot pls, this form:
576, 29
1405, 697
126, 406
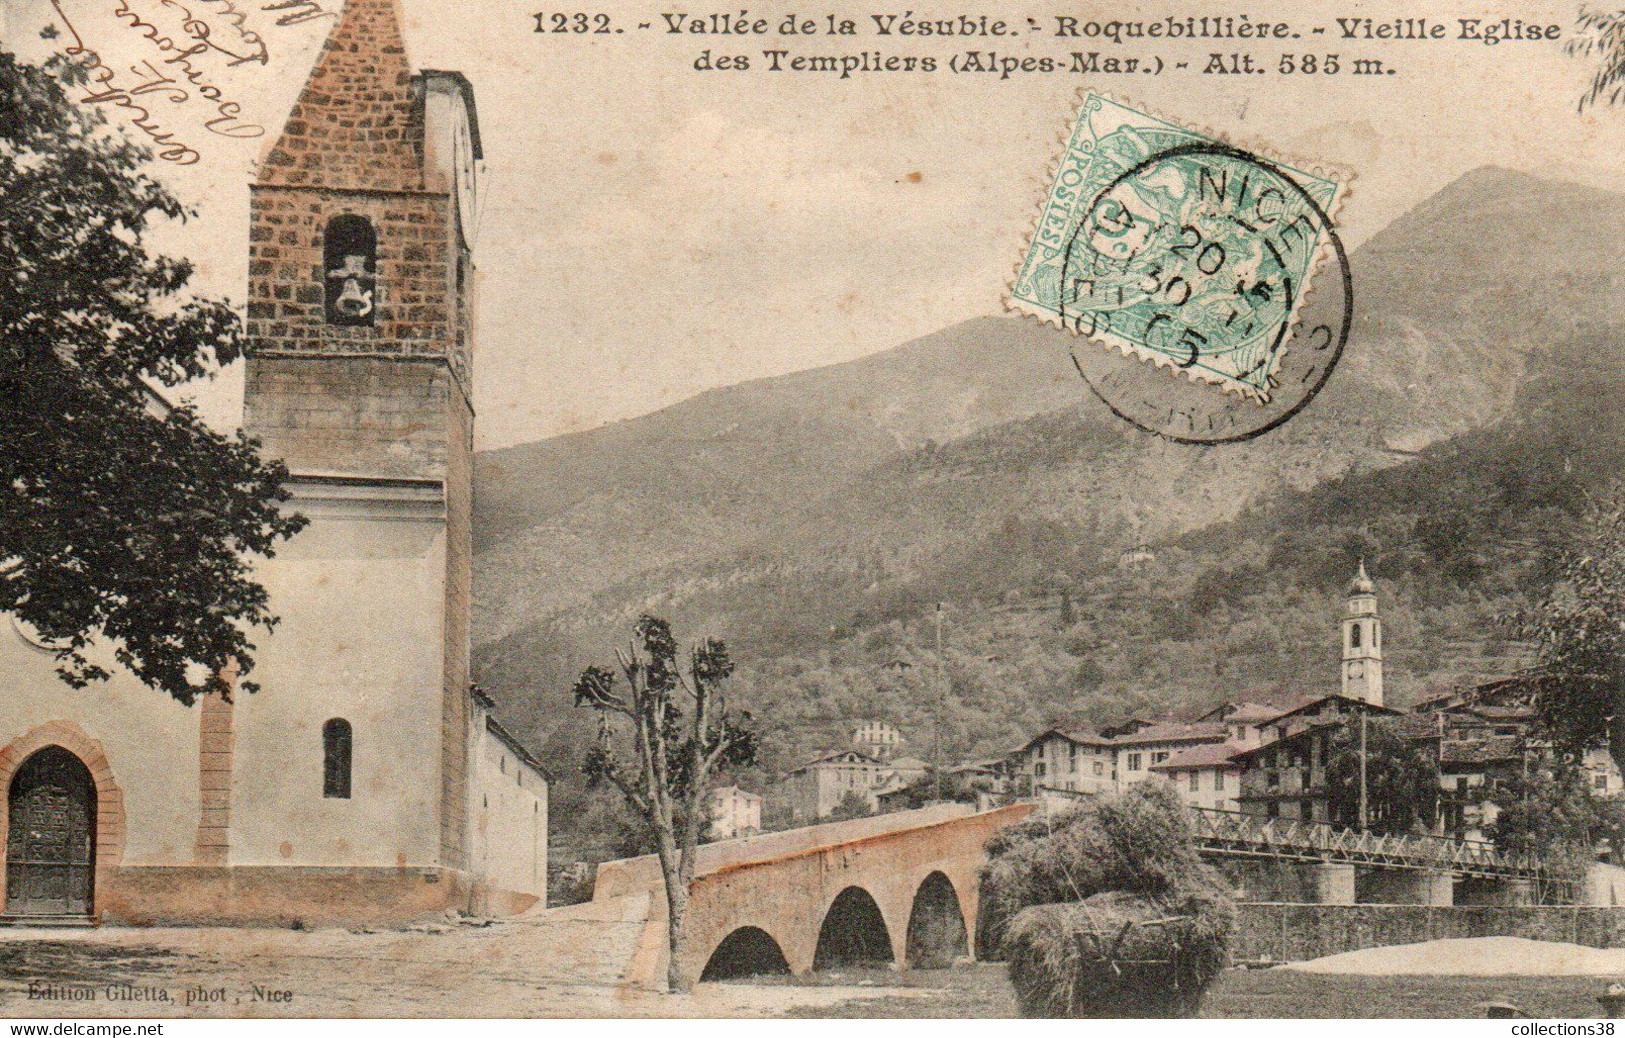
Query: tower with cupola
1362, 640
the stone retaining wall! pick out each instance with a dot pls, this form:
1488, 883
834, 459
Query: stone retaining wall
1280, 932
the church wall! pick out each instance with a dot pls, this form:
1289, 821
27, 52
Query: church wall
277, 895
286, 312
363, 416
454, 713
509, 838
150, 742
359, 592
219, 813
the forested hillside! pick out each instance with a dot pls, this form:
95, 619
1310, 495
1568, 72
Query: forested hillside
815, 521
1454, 536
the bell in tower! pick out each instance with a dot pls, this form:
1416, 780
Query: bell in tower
349, 252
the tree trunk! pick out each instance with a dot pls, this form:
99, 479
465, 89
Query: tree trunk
676, 920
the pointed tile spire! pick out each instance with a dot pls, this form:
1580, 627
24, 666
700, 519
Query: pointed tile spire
356, 123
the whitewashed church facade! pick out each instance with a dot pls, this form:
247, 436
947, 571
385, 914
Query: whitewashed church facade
366, 780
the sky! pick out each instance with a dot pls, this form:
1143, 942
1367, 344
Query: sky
649, 232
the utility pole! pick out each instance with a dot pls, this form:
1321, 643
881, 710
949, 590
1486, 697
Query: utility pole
1363, 816
942, 684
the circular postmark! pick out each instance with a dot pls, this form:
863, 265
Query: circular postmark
1194, 263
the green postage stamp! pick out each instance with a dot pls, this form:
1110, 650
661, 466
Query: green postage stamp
1175, 247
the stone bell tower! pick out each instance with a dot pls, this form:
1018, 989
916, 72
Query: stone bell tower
359, 332
1362, 641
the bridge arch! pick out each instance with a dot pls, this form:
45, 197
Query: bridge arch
748, 951
853, 932
937, 934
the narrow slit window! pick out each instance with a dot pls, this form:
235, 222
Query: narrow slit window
336, 758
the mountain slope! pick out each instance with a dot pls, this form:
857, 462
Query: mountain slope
795, 515
563, 518
1040, 627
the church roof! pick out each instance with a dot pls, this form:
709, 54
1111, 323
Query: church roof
518, 748
357, 123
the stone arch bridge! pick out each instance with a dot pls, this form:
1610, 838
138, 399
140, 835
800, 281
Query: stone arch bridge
904, 888
898, 888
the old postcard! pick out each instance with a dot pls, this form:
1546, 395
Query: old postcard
801, 510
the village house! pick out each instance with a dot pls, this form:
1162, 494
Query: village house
1483, 737
1205, 776
366, 781
903, 771
1211, 773
992, 779
1315, 713
879, 739
871, 769
734, 812
1067, 762
1283, 775
817, 788
1500, 709
1148, 746
1286, 778
1207, 760
1062, 764
1243, 721
1471, 777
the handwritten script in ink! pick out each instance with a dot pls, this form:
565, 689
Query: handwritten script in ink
177, 74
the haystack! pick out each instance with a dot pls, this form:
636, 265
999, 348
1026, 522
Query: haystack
1114, 955
1107, 910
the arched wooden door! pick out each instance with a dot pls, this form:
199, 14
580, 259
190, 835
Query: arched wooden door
51, 839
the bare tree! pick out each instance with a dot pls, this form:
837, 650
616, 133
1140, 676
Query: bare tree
681, 734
